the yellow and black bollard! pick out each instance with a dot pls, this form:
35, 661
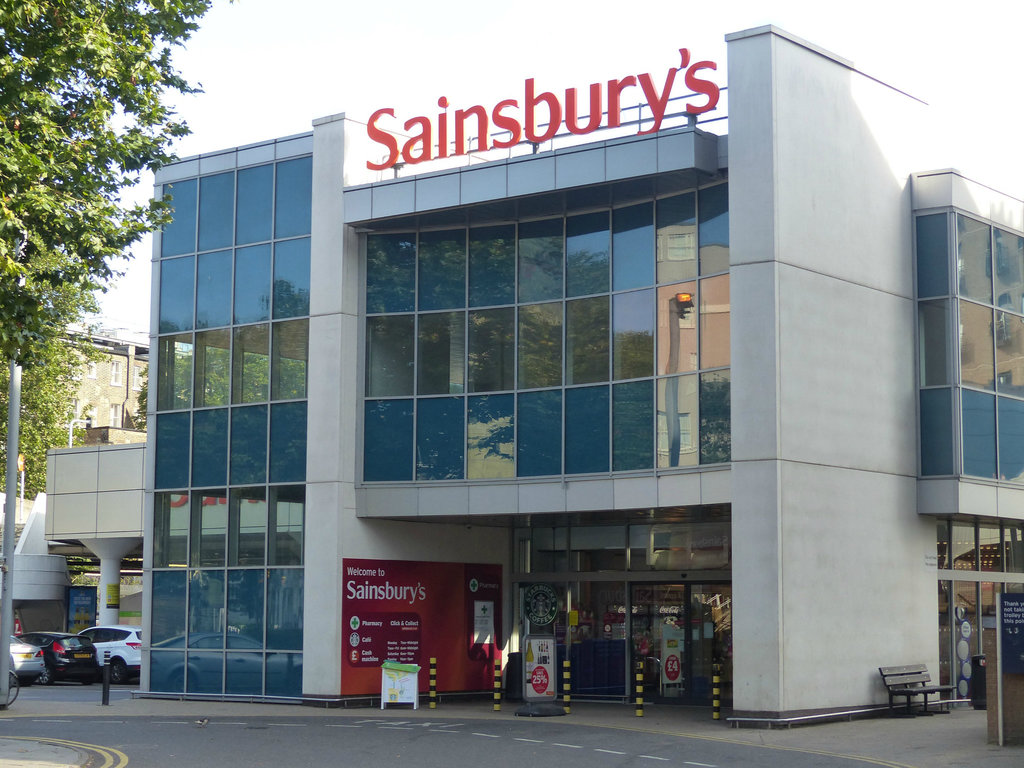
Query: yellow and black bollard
497, 685
639, 689
716, 691
433, 682
566, 680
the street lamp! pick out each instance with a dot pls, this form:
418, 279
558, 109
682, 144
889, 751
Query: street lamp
85, 423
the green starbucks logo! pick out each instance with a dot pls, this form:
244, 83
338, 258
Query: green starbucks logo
540, 603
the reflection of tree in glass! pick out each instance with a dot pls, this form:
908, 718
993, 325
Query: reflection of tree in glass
715, 428
587, 271
491, 350
494, 415
492, 266
289, 299
540, 345
587, 340
390, 273
442, 265
540, 260
634, 354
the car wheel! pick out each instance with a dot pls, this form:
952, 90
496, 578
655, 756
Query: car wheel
46, 676
118, 671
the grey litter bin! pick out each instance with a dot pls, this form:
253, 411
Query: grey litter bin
978, 683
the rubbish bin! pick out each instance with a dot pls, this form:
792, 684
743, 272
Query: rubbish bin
514, 677
978, 682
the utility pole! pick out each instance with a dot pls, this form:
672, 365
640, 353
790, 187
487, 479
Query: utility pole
7, 558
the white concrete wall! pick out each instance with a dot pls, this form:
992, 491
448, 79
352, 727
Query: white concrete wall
95, 491
830, 574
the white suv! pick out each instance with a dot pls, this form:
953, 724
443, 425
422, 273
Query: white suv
124, 642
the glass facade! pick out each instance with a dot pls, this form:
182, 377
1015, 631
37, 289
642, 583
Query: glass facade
600, 337
230, 433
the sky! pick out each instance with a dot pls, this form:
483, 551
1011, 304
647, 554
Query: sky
268, 68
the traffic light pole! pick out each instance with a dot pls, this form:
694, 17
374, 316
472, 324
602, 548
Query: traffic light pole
10, 515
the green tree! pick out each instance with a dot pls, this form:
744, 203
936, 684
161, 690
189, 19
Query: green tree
83, 85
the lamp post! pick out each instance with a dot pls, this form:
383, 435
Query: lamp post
86, 423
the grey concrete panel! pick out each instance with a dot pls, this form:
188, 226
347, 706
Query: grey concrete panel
494, 499
484, 183
387, 502
635, 492
676, 151
255, 155
716, 486
576, 168
358, 204
587, 495
294, 147
76, 470
679, 489
186, 169
222, 161
629, 159
119, 513
438, 501
441, 191
541, 497
531, 175
394, 199
121, 468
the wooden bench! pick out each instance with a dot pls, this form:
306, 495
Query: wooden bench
910, 681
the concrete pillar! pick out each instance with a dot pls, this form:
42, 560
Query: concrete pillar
110, 552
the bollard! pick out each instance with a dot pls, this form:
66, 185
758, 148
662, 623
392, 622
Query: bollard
105, 701
497, 685
433, 682
566, 679
639, 689
716, 691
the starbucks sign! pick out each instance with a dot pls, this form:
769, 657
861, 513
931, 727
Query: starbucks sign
540, 603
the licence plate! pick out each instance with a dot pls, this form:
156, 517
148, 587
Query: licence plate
81, 655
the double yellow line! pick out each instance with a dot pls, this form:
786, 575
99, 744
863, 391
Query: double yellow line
109, 758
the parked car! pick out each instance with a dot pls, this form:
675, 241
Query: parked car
66, 657
124, 642
26, 661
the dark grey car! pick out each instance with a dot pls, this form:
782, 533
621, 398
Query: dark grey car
67, 657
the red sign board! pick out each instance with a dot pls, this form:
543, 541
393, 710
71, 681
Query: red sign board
409, 612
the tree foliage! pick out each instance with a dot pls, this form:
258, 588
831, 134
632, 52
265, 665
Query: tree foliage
83, 112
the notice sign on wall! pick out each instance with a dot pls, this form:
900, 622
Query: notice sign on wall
1012, 606
409, 612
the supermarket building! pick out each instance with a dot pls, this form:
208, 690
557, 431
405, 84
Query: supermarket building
675, 397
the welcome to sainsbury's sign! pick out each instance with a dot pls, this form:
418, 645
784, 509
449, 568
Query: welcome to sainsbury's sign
520, 119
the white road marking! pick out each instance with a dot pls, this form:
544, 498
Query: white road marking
287, 725
610, 751
653, 757
531, 741
702, 765
342, 725
488, 735
569, 746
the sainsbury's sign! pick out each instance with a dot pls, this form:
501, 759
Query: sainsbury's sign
538, 116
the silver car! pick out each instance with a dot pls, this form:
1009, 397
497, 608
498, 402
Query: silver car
26, 661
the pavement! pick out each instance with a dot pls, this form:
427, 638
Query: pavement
956, 740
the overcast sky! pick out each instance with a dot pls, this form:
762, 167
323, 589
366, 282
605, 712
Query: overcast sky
269, 67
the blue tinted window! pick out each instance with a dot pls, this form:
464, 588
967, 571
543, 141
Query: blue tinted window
715, 418
633, 334
587, 246
291, 278
442, 264
216, 211
932, 256
177, 278
633, 426
245, 608
539, 450
1011, 439
206, 609
586, 430
168, 611
677, 229
284, 674
979, 434
252, 284
390, 273
210, 447
492, 266
490, 436
936, 432
249, 445
213, 290
713, 229
440, 442
284, 604
172, 450
540, 260
167, 671
292, 213
255, 204
633, 247
243, 673
179, 236
205, 672
387, 440
288, 443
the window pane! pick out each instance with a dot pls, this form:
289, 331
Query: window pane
936, 432
677, 238
290, 355
1009, 276
442, 354
540, 260
205, 671
284, 609
288, 443
715, 420
252, 284
247, 528
633, 426
677, 328
216, 211
988, 547
243, 672
213, 367
387, 440
1013, 547
633, 319
964, 547
933, 344
170, 530
389, 355
284, 674
492, 266
249, 445
210, 447
255, 204
713, 229
977, 365
932, 256
587, 251
390, 273
1009, 337
292, 213
540, 433
245, 608
974, 259
209, 529
168, 605
291, 278
213, 286
179, 236
442, 264
172, 440
166, 669
491, 350
174, 382
439, 438
586, 340
287, 520
979, 434
1011, 439
540, 345
206, 608
490, 437
714, 322
633, 246
586, 430
677, 421
176, 294
250, 369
